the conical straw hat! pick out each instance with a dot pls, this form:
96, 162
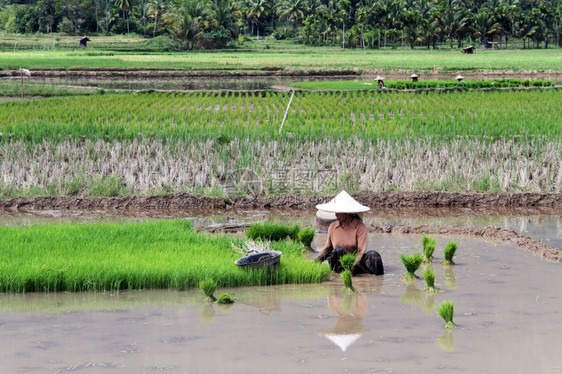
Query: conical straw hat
379, 78
343, 203
459, 77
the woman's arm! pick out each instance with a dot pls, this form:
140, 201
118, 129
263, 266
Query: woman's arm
328, 248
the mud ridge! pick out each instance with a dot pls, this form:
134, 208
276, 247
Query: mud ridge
538, 248
194, 202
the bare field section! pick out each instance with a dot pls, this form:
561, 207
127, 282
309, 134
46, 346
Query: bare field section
107, 145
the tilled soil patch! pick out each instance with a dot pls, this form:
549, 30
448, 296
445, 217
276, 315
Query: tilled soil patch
187, 201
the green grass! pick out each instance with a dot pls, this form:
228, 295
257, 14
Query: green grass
13, 89
56, 50
161, 254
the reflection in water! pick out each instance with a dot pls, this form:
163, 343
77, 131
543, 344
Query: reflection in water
449, 274
412, 295
429, 305
208, 312
446, 341
351, 308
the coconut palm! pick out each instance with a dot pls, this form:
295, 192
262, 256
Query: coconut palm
155, 9
257, 9
291, 10
124, 5
484, 25
186, 19
224, 19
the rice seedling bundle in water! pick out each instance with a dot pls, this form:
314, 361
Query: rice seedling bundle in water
449, 252
428, 244
347, 262
208, 286
429, 277
411, 263
446, 310
225, 298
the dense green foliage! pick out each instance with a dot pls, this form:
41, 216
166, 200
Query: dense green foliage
161, 254
359, 24
225, 298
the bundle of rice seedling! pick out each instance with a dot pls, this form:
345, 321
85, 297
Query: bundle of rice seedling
412, 263
446, 310
449, 252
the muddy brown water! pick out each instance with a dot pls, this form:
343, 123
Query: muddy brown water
507, 308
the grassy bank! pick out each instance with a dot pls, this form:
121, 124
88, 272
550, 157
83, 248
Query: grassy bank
163, 254
442, 60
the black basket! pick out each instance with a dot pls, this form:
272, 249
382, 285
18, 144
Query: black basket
270, 259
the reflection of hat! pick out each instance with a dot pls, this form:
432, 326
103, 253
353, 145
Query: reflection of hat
347, 331
343, 340
343, 203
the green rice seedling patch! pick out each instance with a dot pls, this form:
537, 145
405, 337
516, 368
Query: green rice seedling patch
367, 115
156, 254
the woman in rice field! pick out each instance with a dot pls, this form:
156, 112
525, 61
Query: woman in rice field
348, 234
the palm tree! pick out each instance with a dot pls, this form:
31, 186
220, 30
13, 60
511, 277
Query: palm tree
484, 25
124, 5
155, 9
291, 10
258, 9
224, 19
361, 17
186, 18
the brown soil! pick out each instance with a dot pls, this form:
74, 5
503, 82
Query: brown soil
543, 203
545, 251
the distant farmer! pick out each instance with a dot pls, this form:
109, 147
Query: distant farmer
84, 41
348, 234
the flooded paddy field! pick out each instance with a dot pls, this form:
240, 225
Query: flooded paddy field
507, 305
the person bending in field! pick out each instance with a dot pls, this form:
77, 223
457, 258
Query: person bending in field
348, 234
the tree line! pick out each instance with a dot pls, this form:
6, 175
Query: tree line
349, 23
